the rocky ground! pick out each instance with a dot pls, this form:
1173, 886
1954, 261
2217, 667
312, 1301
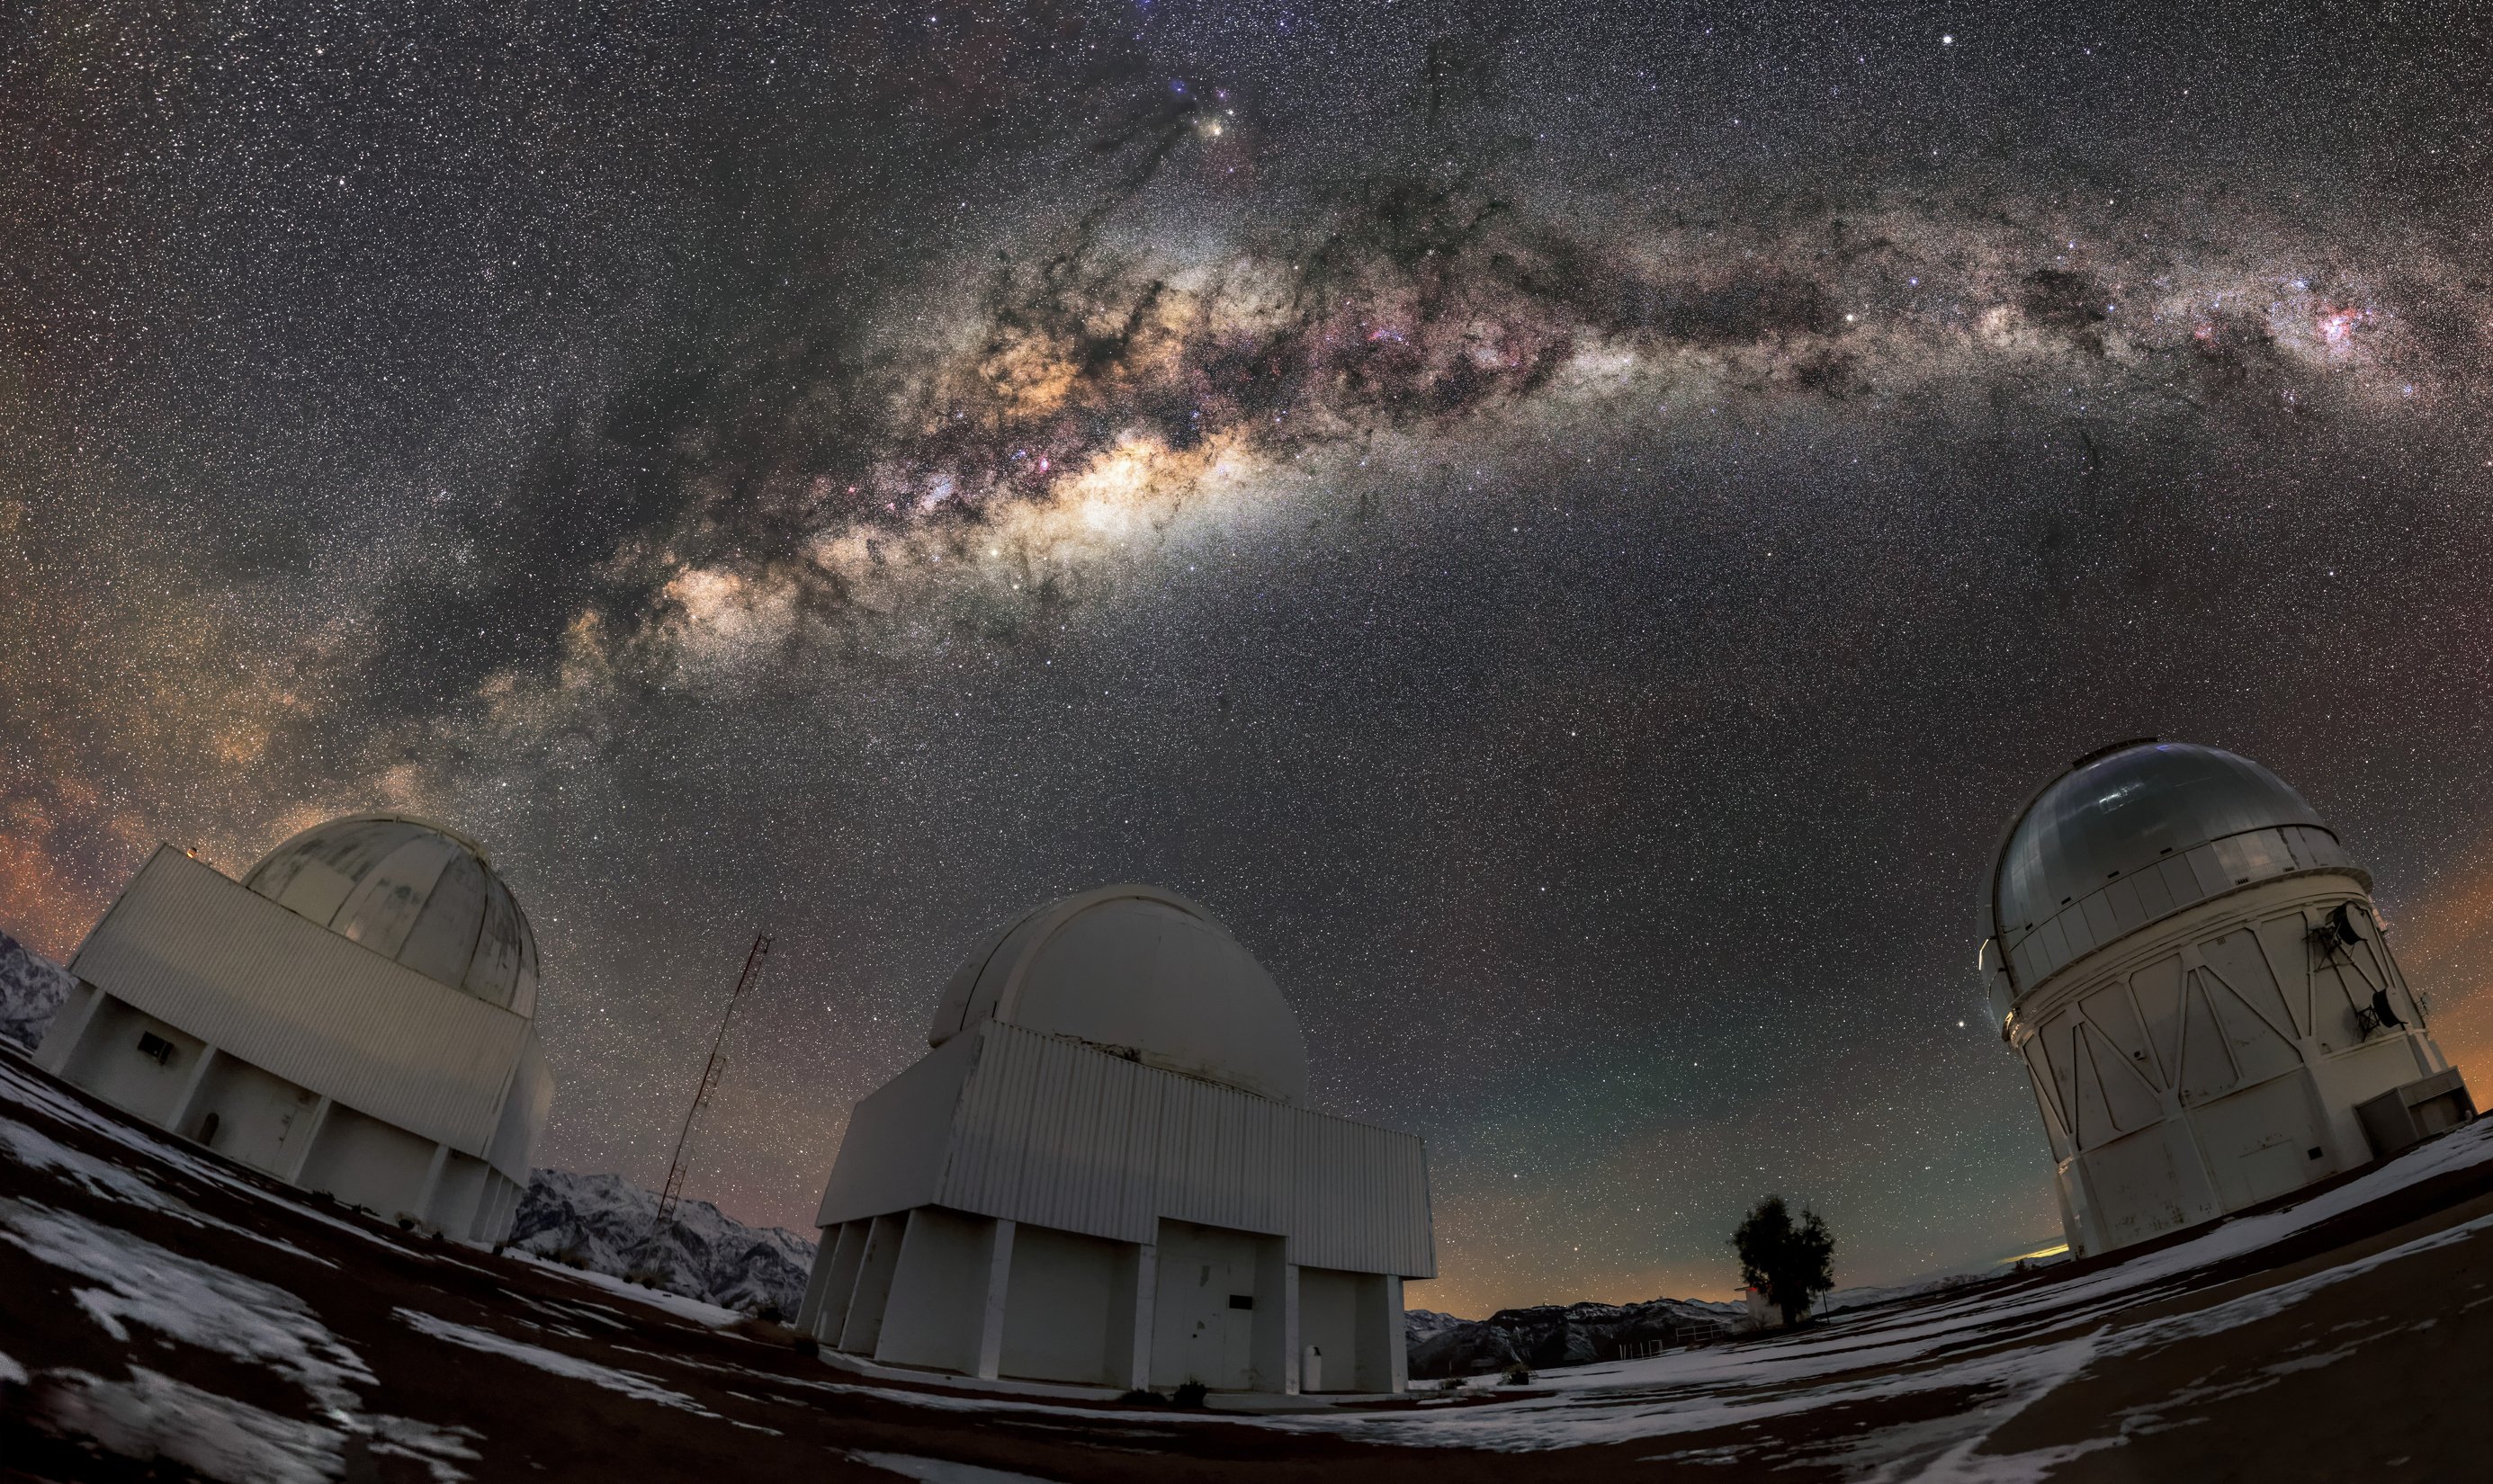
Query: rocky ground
165, 1315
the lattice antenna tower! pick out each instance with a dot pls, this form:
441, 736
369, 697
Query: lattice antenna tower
711, 1071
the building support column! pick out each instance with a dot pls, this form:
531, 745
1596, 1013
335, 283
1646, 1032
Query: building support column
189, 1094
836, 1262
809, 1309
310, 1136
861, 1328
69, 1027
1129, 1318
1385, 1332
503, 1201
991, 1327
431, 1184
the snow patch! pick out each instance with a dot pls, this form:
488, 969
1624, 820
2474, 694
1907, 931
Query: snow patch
153, 1416
638, 1387
677, 1304
440, 1449
31, 1092
110, 1182
137, 1282
937, 1470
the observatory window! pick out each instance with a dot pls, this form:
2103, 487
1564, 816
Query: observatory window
154, 1048
1242, 1300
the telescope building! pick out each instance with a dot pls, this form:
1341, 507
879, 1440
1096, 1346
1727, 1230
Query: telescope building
1106, 1171
352, 1017
2189, 964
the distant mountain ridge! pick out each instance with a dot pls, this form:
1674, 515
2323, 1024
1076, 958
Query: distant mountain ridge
1548, 1335
601, 1222
32, 987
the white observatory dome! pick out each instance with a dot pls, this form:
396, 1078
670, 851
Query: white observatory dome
2133, 833
415, 892
1141, 971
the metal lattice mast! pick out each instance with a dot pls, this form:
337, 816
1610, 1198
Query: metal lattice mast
711, 1071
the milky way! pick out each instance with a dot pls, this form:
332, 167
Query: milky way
1570, 532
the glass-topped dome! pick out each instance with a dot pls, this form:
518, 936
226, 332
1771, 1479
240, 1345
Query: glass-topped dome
413, 891
2134, 833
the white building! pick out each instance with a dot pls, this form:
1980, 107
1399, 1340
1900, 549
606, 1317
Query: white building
2190, 966
1106, 1172
352, 1017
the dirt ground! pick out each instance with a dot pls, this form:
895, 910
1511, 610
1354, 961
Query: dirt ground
164, 1315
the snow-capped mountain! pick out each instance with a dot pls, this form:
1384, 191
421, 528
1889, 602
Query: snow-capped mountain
1441, 1344
601, 1222
31, 988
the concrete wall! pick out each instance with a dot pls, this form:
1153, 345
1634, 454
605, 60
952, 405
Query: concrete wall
833, 1281
1329, 1319
1134, 1289
106, 1061
937, 1309
192, 947
362, 1161
501, 1205
1384, 1358
877, 1262
1068, 1310
459, 1198
260, 1118
2214, 1062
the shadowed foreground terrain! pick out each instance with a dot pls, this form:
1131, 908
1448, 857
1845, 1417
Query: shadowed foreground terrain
166, 1314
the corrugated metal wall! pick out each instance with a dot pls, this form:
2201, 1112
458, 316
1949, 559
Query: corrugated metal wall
1064, 1135
202, 952
526, 1107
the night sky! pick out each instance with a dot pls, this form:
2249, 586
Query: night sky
1570, 531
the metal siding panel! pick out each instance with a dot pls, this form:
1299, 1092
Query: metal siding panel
2180, 882
2154, 897
525, 1105
1066, 1135
382, 910
2210, 871
443, 938
493, 962
2101, 926
2128, 912
2055, 944
262, 982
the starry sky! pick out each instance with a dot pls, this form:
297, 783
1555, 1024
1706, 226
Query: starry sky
1569, 527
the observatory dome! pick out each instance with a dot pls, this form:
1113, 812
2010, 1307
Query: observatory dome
2133, 833
1141, 971
413, 891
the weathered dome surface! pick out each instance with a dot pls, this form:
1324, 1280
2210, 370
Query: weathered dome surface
412, 891
2135, 833
1138, 971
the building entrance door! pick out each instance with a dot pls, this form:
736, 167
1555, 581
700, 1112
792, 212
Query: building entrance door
1203, 1310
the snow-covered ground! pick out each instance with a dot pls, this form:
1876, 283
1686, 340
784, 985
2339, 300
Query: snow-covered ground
157, 1304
